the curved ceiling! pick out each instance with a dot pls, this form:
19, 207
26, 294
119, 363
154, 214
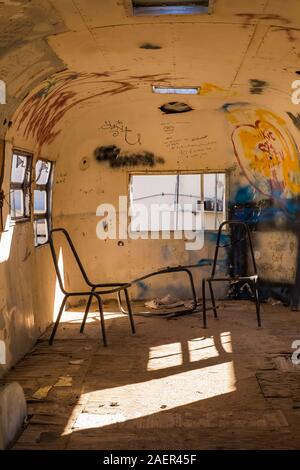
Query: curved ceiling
243, 51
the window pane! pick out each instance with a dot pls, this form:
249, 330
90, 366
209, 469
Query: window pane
19, 163
42, 172
40, 202
41, 231
209, 191
220, 191
189, 198
16, 203
153, 199
214, 200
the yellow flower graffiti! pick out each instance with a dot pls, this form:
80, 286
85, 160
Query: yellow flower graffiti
266, 152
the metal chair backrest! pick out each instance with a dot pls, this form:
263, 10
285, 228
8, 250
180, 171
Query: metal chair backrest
218, 245
74, 252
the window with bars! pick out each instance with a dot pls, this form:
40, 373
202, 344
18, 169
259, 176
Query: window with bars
42, 201
171, 202
20, 186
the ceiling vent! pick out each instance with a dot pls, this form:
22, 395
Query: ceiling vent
171, 7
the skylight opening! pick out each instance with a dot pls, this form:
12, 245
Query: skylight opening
170, 7
176, 90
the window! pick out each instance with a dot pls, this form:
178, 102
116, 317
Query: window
20, 186
177, 202
42, 201
170, 7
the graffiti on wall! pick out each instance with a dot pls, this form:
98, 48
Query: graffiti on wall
117, 128
41, 113
266, 194
266, 152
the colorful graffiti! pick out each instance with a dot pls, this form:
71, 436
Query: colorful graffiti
265, 193
41, 113
266, 152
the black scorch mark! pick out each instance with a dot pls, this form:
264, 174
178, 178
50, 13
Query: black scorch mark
257, 86
116, 159
148, 45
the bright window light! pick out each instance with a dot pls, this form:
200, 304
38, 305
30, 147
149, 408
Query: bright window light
175, 90
42, 201
20, 186
174, 202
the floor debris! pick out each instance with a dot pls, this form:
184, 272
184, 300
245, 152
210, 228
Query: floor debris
165, 302
42, 392
65, 381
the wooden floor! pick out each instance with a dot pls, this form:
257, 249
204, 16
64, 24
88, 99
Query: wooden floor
171, 386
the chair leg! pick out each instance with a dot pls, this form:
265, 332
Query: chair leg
204, 302
257, 303
194, 295
87, 309
101, 319
129, 311
58, 319
212, 295
122, 309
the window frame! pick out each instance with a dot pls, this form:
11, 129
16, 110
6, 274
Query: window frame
47, 215
24, 186
201, 173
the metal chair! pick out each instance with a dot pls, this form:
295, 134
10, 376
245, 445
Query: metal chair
93, 292
167, 270
252, 279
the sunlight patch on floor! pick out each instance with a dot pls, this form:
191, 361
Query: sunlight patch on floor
142, 399
164, 356
75, 316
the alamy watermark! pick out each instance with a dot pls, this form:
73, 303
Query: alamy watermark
2, 353
296, 94
151, 221
2, 92
296, 353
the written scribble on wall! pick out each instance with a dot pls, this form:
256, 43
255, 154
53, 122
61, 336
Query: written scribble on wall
118, 127
42, 111
116, 158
